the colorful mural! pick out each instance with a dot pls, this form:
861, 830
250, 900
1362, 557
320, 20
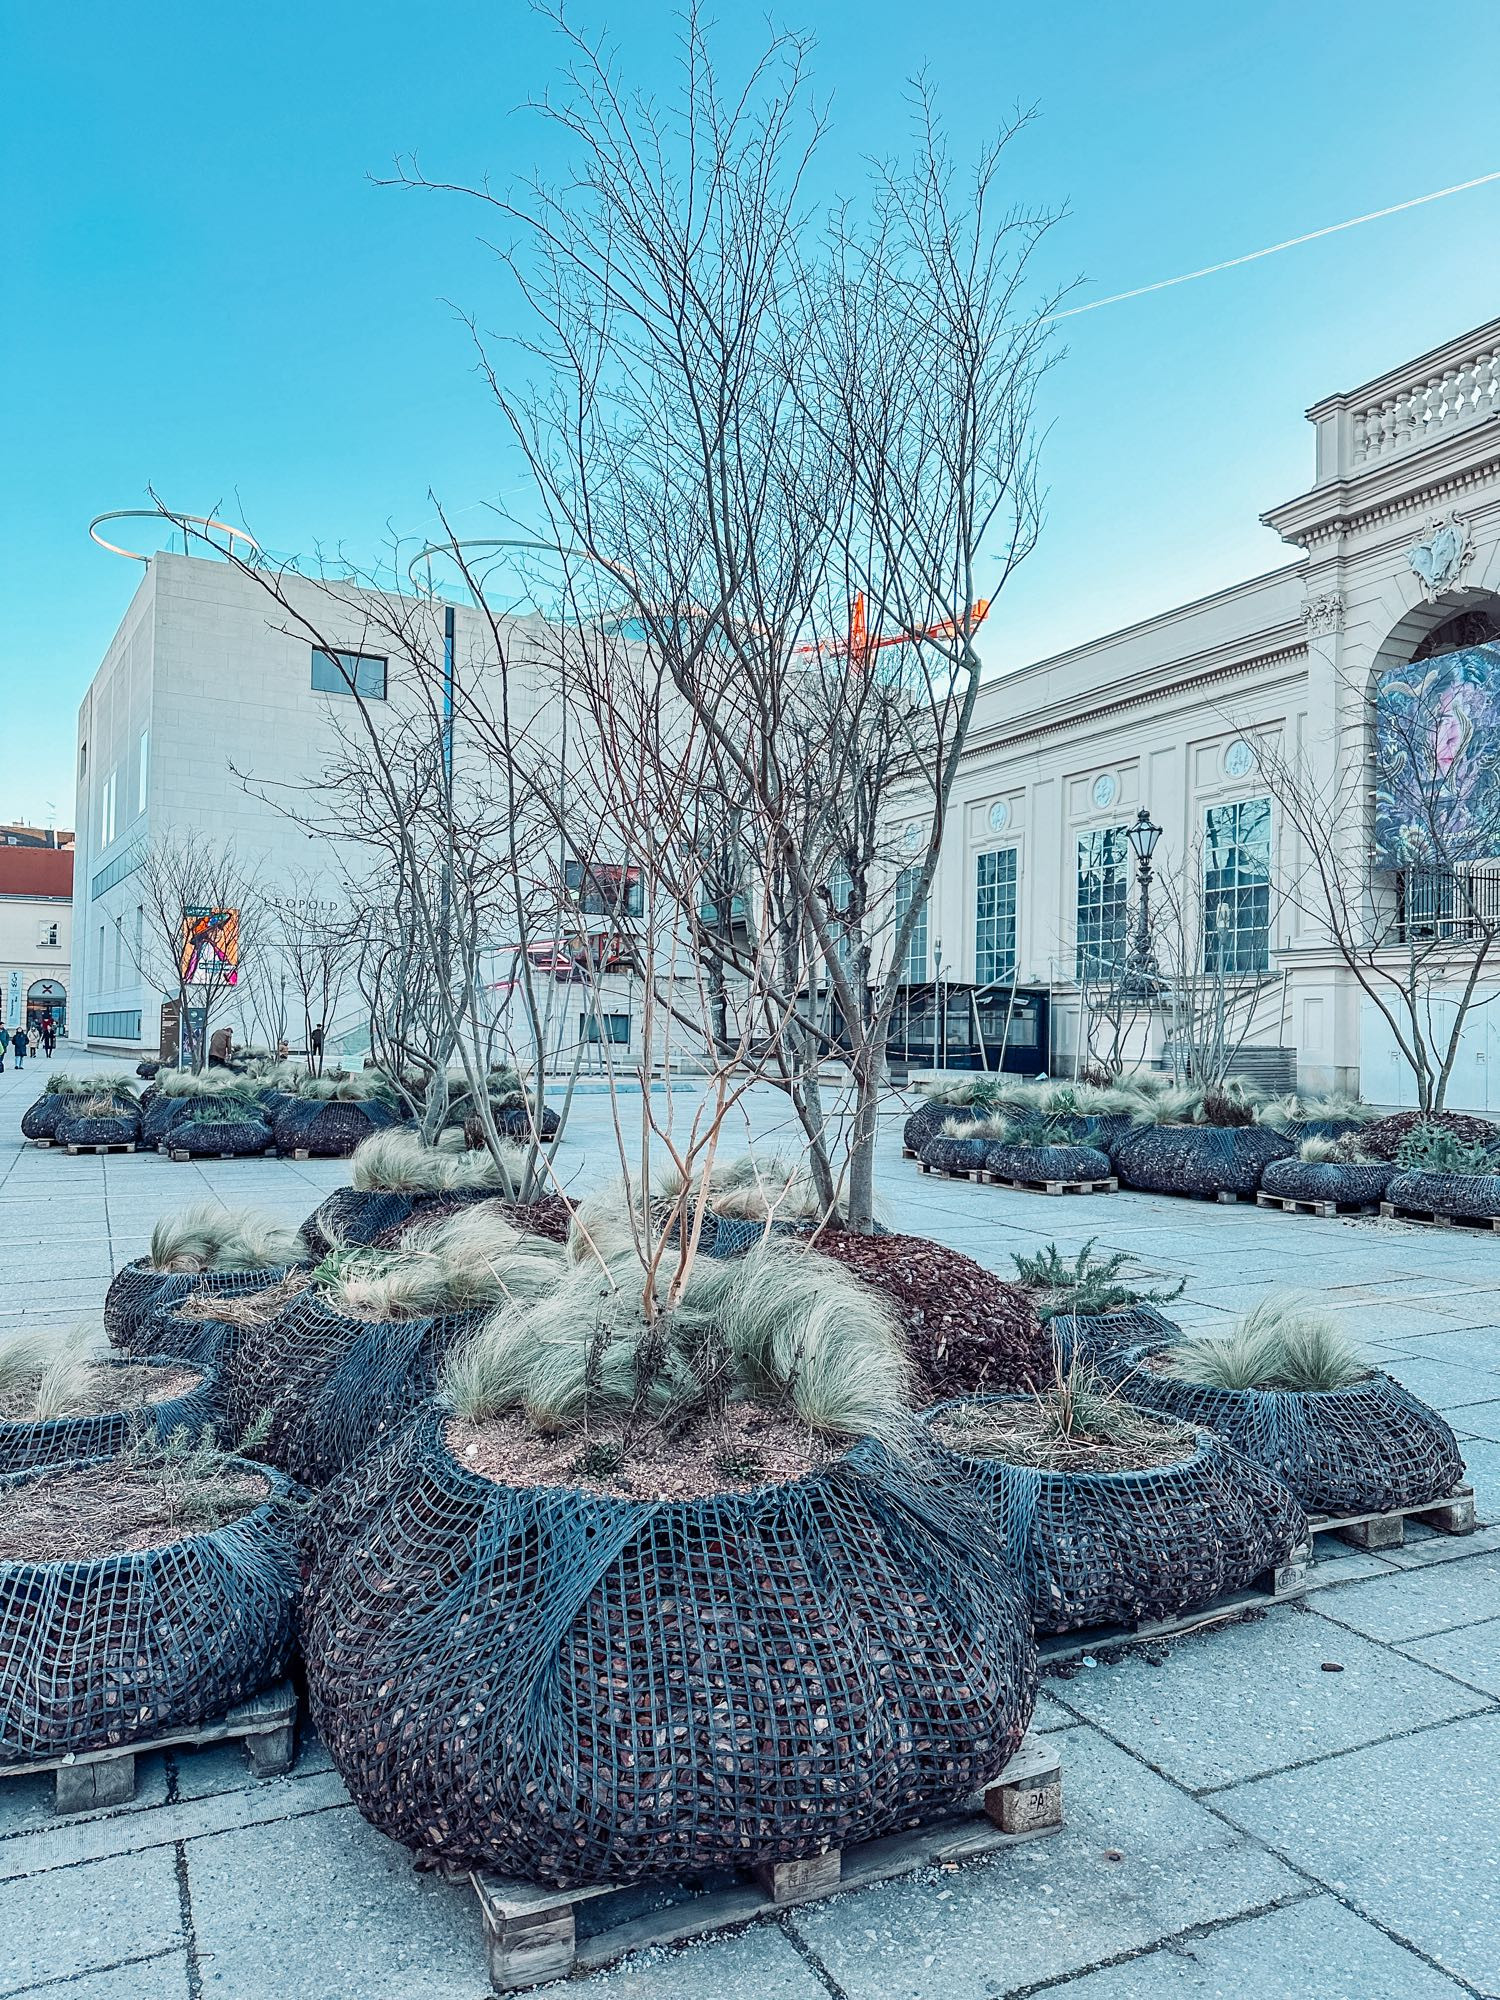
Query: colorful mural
1437, 759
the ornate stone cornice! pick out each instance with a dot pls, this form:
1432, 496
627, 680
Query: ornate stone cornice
1324, 613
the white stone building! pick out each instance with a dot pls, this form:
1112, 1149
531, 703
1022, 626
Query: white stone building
1396, 537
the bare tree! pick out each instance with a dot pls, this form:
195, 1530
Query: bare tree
317, 942
799, 461
199, 925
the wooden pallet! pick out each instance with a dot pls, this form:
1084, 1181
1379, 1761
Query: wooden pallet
1276, 1586
1108, 1186
1399, 1212
1453, 1515
43, 1144
1290, 1205
952, 1173
176, 1153
85, 1779
531, 1933
116, 1146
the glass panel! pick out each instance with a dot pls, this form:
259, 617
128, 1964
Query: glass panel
1237, 887
914, 966
1103, 886
995, 916
349, 673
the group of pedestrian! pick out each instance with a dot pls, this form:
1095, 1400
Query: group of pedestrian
24, 1041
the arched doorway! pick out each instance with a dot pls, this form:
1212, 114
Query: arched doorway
47, 998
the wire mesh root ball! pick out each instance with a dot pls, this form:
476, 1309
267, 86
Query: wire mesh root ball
1470, 1197
211, 1137
109, 1650
1352, 1182
141, 1304
578, 1689
1198, 1159
1104, 1548
41, 1120
196, 1407
1361, 1449
955, 1156
927, 1121
123, 1128
329, 1129
1046, 1163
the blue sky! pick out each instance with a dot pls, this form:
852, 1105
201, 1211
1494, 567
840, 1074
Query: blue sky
204, 293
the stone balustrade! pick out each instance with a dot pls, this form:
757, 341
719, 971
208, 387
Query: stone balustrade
1452, 389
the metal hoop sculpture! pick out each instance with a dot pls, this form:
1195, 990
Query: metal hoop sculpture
183, 521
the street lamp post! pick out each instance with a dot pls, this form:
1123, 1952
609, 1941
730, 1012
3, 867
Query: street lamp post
1141, 973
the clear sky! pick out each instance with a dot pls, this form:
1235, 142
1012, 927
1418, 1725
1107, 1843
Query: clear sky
203, 292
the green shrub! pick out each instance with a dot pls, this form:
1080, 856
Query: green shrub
1087, 1285
1430, 1149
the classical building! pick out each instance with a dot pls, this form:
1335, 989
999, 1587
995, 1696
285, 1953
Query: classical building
36, 926
1397, 542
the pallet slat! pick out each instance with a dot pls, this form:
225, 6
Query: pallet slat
1399, 1212
531, 1932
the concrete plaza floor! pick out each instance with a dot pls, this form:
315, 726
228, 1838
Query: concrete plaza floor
1241, 1821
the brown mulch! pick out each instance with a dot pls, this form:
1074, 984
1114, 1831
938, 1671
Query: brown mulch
547, 1217
108, 1510
1383, 1139
106, 1388
763, 1448
966, 1329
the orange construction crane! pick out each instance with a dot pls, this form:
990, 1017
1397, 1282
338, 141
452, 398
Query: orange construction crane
858, 646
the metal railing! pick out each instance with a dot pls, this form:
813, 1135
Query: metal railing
1436, 905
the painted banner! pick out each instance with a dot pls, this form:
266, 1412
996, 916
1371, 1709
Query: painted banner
1437, 759
212, 933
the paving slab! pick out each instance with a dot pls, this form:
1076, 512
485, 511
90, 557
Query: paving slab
1471, 1654
1446, 1385
1312, 1950
329, 1908
756, 1964
76, 1920
1052, 1906
1479, 1419
161, 1978
1254, 1697
1409, 1605
1404, 1831
26, 1804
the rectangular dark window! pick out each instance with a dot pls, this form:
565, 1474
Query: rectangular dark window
1103, 886
914, 969
349, 673
124, 1026
995, 916
605, 1028
1237, 887
604, 888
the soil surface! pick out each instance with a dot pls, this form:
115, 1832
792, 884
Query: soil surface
105, 1388
109, 1510
748, 1446
1383, 1139
966, 1330
1027, 1434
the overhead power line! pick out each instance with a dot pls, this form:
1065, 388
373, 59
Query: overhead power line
1291, 243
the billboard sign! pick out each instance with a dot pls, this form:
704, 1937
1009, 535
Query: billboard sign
209, 937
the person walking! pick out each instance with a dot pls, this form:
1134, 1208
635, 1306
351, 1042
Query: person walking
4, 1045
20, 1048
49, 1036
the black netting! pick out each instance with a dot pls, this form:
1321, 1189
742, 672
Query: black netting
330, 1384
147, 1069
1198, 1159
1326, 1180
1106, 1548
955, 1156
359, 1215
141, 1303
927, 1121
42, 1119
169, 1329
573, 1688
1095, 1337
1046, 1163
161, 1115
52, 1440
516, 1123
1356, 1450
123, 1647
211, 1137
1475, 1196
120, 1130
329, 1129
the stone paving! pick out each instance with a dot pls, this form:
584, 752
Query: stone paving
1240, 1821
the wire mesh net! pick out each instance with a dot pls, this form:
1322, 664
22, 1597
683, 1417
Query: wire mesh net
1046, 1163
329, 1130
955, 1156
1107, 1548
121, 1129
213, 1137
122, 1647
577, 1689
141, 1304
41, 1120
1198, 1159
1362, 1449
1342, 1181
26, 1442
1470, 1197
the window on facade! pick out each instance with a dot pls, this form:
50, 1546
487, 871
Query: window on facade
140, 932
83, 760
605, 1028
604, 888
840, 893
46, 934
143, 771
914, 966
1237, 887
107, 809
1102, 890
349, 673
995, 916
